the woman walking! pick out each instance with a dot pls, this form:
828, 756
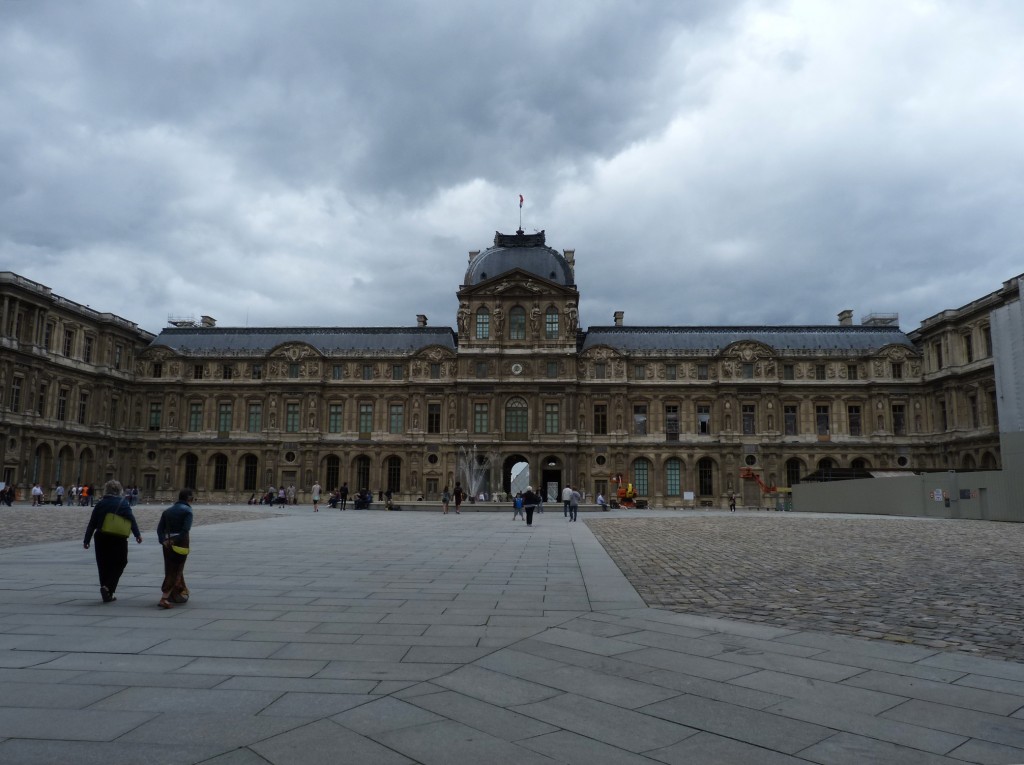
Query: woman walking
445, 499
110, 524
173, 535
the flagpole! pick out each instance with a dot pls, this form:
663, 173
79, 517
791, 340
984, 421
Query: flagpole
520, 212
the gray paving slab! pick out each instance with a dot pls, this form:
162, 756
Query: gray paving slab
393, 638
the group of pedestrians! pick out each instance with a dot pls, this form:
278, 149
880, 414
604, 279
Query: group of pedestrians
112, 522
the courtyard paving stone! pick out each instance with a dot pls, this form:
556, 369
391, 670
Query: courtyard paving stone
659, 636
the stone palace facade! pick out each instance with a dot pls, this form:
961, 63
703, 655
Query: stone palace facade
678, 411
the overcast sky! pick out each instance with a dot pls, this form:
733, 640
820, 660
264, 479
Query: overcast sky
321, 163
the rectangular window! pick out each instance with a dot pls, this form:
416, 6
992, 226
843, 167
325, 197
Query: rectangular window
747, 371
255, 424
552, 369
517, 324
195, 417
986, 336
365, 420
69, 342
789, 420
62, 404
639, 371
897, 370
899, 419
673, 484
788, 372
853, 415
397, 372
337, 372
396, 419
291, 418
48, 335
155, 414
822, 420
600, 370
551, 419
517, 419
819, 371
670, 371
16, 394
257, 372
702, 371
334, 415
551, 324
671, 422
600, 419
197, 371
41, 402
640, 419
968, 349
158, 369
943, 416
113, 412
118, 356
224, 417
87, 353
972, 410
293, 371
938, 354
226, 372
749, 414
481, 369
433, 418
851, 372
481, 418
703, 419
435, 371
83, 407
367, 371
483, 325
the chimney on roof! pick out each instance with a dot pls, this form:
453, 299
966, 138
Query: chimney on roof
846, 318
421, 320
618, 318
473, 254
208, 321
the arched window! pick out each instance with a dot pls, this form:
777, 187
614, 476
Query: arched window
394, 474
859, 464
220, 472
551, 323
483, 324
673, 477
517, 417
250, 471
641, 477
332, 469
517, 323
825, 463
706, 477
793, 470
362, 464
191, 471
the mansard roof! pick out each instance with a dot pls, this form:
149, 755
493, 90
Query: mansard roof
715, 339
523, 251
327, 340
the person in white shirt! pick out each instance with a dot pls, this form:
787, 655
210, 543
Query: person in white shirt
566, 496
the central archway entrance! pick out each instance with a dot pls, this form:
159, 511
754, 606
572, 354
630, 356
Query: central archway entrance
515, 474
551, 478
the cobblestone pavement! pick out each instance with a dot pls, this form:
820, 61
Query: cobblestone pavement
942, 584
23, 524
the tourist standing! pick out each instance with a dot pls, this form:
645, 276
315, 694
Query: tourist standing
566, 497
59, 493
109, 526
37, 495
316, 496
173, 533
445, 499
732, 502
517, 506
459, 496
530, 502
343, 494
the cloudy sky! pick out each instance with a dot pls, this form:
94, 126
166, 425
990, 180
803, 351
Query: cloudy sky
313, 162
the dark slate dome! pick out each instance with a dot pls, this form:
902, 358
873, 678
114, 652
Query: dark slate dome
519, 250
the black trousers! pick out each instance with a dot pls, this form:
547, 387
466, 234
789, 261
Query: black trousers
573, 509
529, 514
111, 558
